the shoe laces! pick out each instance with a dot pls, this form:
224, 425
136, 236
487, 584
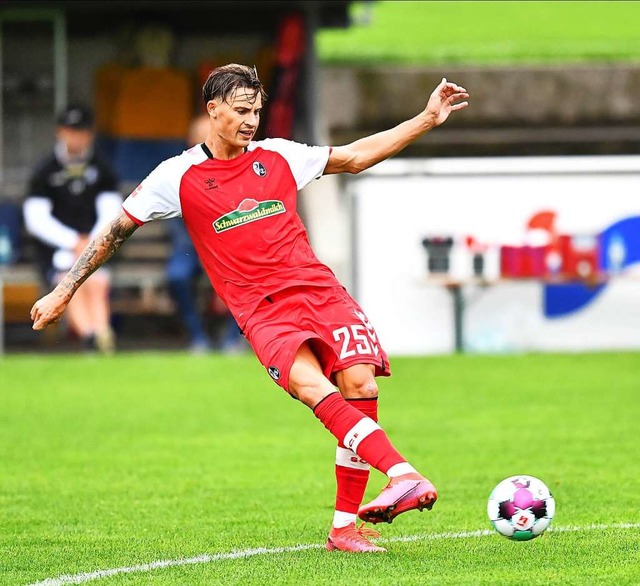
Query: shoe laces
367, 532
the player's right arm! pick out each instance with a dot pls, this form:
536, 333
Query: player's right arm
104, 245
157, 197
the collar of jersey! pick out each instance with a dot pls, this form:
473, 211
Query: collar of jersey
209, 154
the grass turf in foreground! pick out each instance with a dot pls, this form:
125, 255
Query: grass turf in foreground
108, 463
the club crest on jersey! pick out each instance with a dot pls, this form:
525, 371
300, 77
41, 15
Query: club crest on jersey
259, 169
248, 211
274, 372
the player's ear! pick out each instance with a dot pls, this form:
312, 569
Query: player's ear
212, 106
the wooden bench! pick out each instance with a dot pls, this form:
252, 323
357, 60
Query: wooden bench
139, 273
138, 279
21, 289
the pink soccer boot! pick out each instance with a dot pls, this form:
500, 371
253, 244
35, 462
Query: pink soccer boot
353, 539
403, 493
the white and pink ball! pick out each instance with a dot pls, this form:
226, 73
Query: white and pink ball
521, 507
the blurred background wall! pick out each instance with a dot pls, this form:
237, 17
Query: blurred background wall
513, 227
141, 66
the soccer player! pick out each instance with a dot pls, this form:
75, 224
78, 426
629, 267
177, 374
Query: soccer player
237, 198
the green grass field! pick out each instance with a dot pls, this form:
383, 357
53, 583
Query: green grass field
112, 464
424, 33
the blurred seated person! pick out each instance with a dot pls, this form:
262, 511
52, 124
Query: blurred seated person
72, 193
183, 270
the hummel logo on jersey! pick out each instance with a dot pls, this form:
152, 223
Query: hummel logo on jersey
249, 210
372, 333
258, 169
210, 184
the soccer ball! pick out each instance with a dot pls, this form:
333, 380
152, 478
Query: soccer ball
521, 507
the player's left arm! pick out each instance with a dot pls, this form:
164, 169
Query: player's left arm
361, 154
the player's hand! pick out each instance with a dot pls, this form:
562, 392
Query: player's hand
446, 99
48, 310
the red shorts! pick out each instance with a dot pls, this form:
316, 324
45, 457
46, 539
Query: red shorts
337, 329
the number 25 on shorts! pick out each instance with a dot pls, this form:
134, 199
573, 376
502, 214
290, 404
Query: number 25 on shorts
356, 339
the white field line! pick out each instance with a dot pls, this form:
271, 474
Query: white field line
247, 553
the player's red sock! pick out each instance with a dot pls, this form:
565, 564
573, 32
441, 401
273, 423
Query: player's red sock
357, 432
352, 472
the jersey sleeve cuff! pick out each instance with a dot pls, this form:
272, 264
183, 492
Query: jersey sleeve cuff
319, 176
132, 217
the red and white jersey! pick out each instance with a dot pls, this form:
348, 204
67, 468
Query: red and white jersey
241, 216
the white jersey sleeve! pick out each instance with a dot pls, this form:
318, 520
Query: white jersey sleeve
306, 162
158, 196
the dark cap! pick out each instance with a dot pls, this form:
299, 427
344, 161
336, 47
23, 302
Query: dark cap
76, 116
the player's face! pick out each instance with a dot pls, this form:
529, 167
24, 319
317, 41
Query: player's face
235, 122
77, 141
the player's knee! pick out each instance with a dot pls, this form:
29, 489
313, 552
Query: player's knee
358, 382
360, 387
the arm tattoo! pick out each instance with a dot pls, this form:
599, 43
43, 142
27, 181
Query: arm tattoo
98, 252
